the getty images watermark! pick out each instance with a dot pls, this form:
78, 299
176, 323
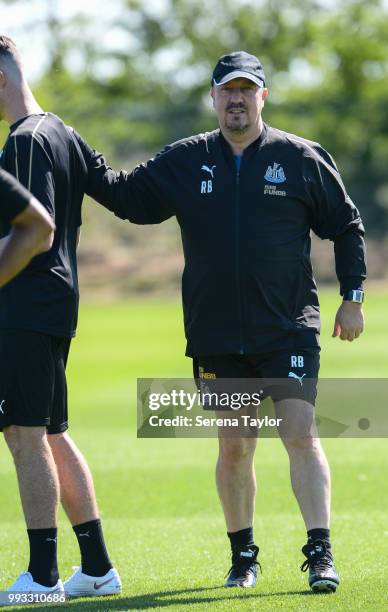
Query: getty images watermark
174, 408
17, 598
191, 401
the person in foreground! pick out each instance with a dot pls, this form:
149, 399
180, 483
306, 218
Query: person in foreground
32, 227
38, 317
246, 197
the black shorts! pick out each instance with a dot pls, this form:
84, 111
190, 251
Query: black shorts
283, 374
33, 389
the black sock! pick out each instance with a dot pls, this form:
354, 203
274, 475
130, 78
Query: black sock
239, 539
43, 556
319, 534
94, 556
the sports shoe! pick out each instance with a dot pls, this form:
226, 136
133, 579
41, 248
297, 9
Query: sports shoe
83, 585
322, 573
25, 584
243, 572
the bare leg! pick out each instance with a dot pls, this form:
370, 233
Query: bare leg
37, 475
79, 502
236, 481
309, 468
76, 482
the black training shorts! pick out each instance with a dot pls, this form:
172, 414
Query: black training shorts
33, 390
283, 374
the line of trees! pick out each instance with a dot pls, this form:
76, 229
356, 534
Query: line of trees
327, 75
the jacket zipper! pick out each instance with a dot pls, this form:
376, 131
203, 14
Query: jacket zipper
237, 260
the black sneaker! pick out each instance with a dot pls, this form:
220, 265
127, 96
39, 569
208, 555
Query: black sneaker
243, 572
323, 577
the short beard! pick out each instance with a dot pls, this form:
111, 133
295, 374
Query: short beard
237, 129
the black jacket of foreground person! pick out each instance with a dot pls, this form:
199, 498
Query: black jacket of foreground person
248, 284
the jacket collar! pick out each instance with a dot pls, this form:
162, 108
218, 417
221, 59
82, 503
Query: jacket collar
252, 147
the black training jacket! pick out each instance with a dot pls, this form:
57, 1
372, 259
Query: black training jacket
248, 284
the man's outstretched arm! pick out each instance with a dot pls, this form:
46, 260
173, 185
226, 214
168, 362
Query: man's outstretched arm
141, 196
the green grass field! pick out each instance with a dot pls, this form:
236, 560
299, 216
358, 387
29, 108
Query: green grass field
162, 518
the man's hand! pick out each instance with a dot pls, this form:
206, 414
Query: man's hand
349, 321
